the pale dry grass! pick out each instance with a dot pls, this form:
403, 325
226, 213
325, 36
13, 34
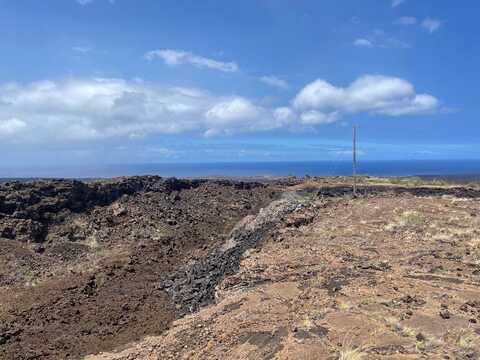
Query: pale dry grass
408, 220
467, 340
429, 344
351, 354
395, 325
344, 306
411, 218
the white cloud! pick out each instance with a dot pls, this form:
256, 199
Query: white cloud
86, 2
93, 110
374, 94
432, 25
396, 3
11, 127
178, 57
380, 39
159, 152
81, 49
345, 153
406, 20
314, 117
237, 108
274, 81
238, 114
363, 43
284, 115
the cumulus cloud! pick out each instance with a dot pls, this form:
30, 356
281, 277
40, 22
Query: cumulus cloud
234, 109
284, 115
238, 114
406, 20
274, 81
432, 25
396, 3
177, 57
322, 102
92, 109
314, 117
96, 109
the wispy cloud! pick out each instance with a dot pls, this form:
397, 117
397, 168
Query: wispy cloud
82, 49
274, 81
12, 126
406, 20
86, 2
177, 57
361, 42
396, 3
345, 152
431, 24
380, 39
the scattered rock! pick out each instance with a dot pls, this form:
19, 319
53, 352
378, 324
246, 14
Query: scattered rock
376, 265
91, 287
414, 301
120, 211
444, 313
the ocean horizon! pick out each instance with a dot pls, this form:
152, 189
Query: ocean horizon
464, 168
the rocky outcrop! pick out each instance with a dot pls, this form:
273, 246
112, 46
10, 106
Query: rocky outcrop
194, 285
28, 208
91, 283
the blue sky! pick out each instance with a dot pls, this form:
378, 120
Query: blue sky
138, 81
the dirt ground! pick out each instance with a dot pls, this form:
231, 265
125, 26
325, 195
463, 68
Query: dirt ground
392, 274
90, 280
285, 269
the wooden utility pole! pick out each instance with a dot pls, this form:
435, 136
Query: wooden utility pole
354, 159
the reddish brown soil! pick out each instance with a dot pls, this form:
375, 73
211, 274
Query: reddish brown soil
391, 274
88, 280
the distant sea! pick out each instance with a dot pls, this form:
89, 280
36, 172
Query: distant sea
461, 168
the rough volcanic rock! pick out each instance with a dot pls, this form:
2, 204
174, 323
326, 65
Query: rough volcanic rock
91, 281
28, 208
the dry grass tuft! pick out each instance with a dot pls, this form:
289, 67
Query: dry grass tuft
343, 306
407, 220
395, 325
467, 340
350, 354
428, 344
411, 219
408, 332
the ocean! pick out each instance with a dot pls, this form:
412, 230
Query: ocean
461, 168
